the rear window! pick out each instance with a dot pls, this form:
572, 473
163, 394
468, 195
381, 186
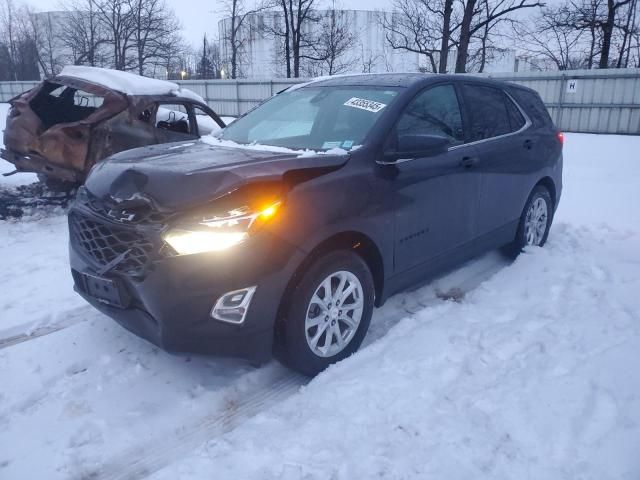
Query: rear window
57, 103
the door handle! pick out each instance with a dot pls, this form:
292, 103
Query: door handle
528, 144
468, 162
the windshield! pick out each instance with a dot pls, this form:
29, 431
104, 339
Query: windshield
315, 118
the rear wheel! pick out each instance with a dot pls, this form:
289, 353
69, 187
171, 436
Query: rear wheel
329, 313
535, 221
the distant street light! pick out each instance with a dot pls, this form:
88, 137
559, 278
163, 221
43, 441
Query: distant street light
183, 74
222, 73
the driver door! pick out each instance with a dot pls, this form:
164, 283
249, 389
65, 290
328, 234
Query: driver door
436, 196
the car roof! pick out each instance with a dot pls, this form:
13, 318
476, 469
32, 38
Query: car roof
403, 80
125, 82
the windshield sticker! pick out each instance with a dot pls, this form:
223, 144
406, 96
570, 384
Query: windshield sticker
326, 145
347, 144
364, 104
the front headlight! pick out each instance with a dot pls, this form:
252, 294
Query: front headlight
212, 233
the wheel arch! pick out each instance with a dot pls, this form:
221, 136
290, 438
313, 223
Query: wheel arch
355, 241
549, 184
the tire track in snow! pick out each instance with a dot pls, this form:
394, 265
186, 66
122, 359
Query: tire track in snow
149, 458
30, 331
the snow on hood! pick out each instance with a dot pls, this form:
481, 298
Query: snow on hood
211, 140
126, 82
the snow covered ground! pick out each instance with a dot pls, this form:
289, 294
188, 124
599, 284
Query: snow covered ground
531, 375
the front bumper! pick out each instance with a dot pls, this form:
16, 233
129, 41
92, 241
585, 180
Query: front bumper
170, 305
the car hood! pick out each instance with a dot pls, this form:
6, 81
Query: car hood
175, 176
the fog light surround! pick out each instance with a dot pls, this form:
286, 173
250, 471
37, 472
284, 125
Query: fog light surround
232, 307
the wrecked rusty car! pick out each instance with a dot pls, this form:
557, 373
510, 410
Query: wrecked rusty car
68, 123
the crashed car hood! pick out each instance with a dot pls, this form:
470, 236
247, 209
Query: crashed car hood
175, 176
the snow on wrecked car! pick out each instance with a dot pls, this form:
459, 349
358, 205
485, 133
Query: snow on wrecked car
66, 124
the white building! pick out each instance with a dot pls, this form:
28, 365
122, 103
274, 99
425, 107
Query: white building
262, 56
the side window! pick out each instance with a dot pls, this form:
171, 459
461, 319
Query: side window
206, 124
486, 111
174, 118
435, 111
516, 120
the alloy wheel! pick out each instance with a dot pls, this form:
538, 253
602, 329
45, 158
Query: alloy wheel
334, 314
535, 225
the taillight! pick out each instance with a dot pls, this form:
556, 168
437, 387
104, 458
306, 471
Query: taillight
560, 137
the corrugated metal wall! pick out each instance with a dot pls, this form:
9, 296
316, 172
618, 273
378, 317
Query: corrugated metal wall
592, 101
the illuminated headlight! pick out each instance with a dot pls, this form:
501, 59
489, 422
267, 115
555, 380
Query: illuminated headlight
185, 241
217, 232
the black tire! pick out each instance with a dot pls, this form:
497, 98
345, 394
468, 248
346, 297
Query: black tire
294, 349
56, 185
539, 192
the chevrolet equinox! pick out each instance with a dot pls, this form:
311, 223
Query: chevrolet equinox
280, 233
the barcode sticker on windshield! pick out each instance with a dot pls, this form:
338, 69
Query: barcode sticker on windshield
364, 104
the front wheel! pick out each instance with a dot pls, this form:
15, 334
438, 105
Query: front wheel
329, 313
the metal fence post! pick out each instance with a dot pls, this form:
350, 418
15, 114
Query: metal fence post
563, 87
238, 113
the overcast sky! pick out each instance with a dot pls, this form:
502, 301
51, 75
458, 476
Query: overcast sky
200, 16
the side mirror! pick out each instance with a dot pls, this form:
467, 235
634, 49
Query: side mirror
417, 146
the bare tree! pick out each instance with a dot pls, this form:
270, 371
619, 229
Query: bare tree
174, 59
292, 27
43, 29
153, 27
608, 26
18, 49
334, 41
8, 17
607, 23
550, 38
210, 61
118, 22
369, 59
236, 34
83, 35
475, 19
628, 28
422, 27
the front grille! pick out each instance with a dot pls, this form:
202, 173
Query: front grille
104, 242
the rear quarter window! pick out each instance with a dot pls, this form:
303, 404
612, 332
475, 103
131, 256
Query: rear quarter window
516, 119
532, 105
